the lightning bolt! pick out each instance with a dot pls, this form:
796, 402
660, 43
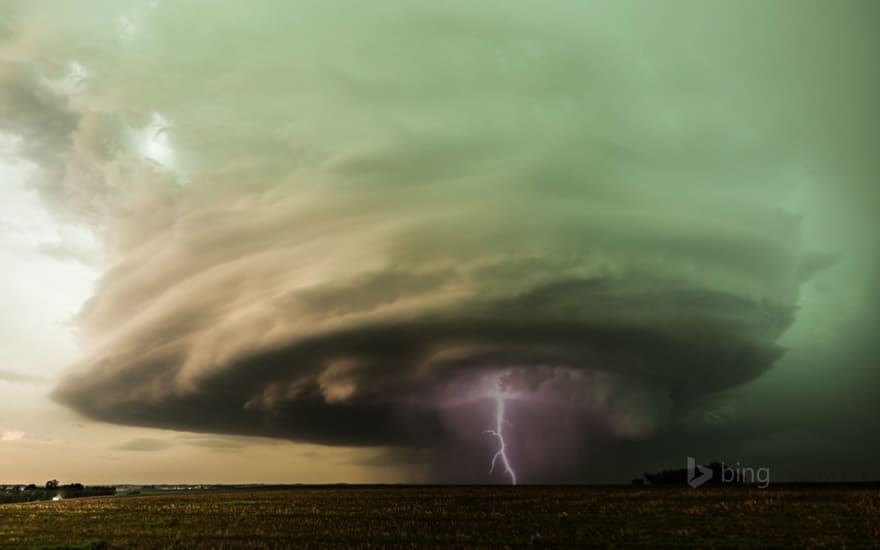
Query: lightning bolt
500, 403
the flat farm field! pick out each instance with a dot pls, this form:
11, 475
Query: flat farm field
453, 517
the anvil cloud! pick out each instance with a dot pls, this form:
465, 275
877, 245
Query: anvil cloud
341, 225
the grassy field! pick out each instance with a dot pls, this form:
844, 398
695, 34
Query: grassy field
452, 517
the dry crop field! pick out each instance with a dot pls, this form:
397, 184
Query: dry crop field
452, 517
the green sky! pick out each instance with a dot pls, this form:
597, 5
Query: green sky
303, 241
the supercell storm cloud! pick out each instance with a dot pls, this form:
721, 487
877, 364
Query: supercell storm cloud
350, 228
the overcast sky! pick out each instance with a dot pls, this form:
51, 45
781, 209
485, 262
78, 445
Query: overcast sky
315, 241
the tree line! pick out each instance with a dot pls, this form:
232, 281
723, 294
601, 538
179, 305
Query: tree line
52, 489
